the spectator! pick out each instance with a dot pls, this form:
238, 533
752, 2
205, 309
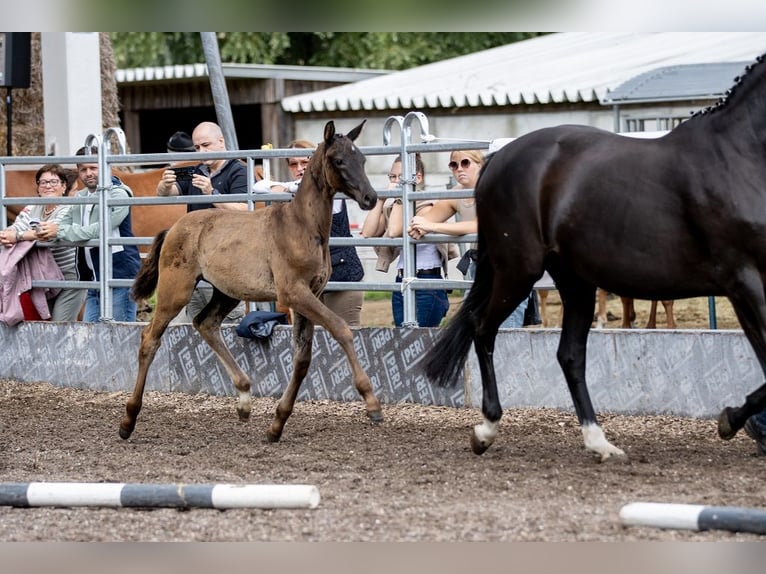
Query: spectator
81, 223
210, 177
755, 427
386, 218
346, 265
465, 165
52, 180
180, 142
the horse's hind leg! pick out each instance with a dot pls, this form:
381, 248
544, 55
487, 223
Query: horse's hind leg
578, 313
170, 300
749, 304
208, 323
303, 335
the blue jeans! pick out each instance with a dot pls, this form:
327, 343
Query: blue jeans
123, 306
430, 306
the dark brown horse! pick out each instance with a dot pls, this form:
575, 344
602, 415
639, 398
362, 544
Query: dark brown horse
279, 252
680, 216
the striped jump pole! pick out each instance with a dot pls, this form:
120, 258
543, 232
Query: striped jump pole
694, 517
219, 496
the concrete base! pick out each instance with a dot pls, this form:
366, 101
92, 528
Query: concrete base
685, 372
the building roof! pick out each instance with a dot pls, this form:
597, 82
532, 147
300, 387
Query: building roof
245, 71
567, 67
683, 82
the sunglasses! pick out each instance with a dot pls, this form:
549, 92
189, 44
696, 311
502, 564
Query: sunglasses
464, 163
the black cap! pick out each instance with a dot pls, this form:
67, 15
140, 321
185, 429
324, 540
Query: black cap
180, 141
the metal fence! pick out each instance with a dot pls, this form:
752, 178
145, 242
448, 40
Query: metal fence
114, 138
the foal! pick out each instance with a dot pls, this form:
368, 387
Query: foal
280, 252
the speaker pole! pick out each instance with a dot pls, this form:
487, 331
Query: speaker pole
8, 121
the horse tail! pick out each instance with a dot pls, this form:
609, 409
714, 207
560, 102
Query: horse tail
444, 362
146, 280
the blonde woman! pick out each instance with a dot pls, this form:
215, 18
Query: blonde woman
465, 166
386, 218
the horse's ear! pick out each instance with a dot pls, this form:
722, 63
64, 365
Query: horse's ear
329, 132
353, 134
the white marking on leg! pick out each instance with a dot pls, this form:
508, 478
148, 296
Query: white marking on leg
486, 432
595, 441
244, 401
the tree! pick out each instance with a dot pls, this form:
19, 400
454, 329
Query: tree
383, 50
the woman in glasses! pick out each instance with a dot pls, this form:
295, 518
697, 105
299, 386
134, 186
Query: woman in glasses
465, 166
386, 219
52, 180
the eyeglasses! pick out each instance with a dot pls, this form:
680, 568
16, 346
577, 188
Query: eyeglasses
48, 182
464, 163
393, 178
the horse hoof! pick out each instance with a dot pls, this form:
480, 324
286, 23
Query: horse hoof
375, 416
125, 433
243, 415
724, 425
614, 458
271, 437
477, 446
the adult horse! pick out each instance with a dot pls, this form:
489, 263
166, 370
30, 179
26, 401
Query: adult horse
279, 252
691, 222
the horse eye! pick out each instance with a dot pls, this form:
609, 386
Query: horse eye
338, 162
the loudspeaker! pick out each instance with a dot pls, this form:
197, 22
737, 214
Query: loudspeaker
15, 59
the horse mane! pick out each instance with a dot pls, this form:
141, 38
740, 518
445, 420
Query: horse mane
726, 98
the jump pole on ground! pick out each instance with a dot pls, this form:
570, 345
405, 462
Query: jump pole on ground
694, 517
132, 495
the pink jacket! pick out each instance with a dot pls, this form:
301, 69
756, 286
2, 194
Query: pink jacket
19, 265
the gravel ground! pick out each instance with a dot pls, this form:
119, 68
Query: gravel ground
411, 478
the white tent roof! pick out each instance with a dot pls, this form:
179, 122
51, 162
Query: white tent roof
566, 67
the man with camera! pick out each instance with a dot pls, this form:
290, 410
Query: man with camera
209, 177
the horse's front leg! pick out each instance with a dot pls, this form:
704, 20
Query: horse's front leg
303, 336
578, 310
314, 310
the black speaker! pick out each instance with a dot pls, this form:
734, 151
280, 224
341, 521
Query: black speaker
15, 59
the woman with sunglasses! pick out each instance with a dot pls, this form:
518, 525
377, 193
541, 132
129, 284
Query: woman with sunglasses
465, 166
386, 219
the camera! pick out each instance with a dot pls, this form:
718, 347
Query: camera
184, 173
34, 224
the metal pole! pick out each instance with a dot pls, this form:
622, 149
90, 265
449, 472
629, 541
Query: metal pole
9, 120
218, 88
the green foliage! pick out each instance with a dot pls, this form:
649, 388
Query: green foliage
383, 50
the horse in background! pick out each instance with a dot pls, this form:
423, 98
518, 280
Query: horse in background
692, 223
281, 252
602, 316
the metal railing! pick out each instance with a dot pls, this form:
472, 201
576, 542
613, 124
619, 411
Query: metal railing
108, 160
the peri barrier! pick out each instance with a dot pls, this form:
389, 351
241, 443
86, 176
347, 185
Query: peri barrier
691, 373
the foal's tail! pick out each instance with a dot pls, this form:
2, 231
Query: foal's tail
146, 281
444, 362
